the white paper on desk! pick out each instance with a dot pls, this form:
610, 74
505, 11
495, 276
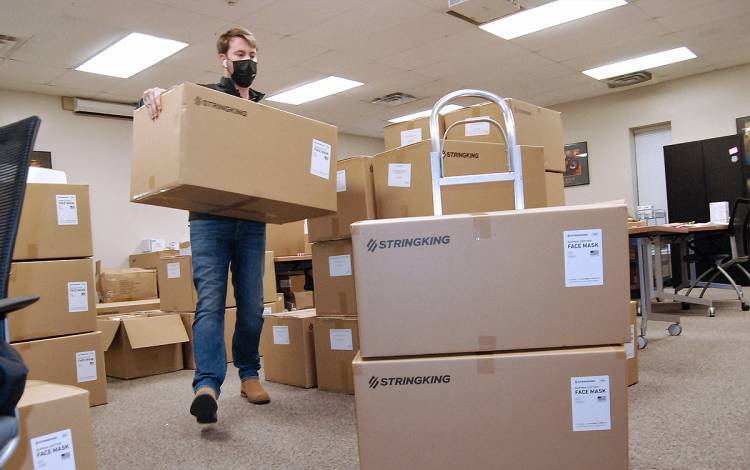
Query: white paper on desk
719, 212
584, 257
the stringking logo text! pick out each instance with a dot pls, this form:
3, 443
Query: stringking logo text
374, 245
376, 382
200, 101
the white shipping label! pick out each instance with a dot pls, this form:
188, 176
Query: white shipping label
86, 366
340, 265
67, 209
304, 228
412, 136
630, 345
78, 297
53, 451
267, 311
186, 251
341, 181
281, 334
173, 270
399, 175
320, 161
477, 128
341, 340
590, 398
584, 259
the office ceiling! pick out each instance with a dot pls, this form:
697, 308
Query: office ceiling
410, 46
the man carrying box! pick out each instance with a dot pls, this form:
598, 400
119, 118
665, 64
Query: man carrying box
218, 242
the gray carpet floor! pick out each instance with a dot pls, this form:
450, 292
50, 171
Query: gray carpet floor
691, 410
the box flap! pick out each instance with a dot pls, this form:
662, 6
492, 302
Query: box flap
108, 327
148, 331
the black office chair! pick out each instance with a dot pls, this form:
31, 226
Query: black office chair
16, 144
739, 232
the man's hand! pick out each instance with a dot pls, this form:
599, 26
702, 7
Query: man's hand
152, 101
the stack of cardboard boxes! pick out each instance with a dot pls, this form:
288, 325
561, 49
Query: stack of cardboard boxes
493, 337
57, 336
291, 240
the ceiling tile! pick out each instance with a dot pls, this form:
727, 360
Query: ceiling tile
24, 18
131, 15
19, 71
89, 81
348, 65
291, 16
273, 80
708, 12
221, 9
659, 8
287, 51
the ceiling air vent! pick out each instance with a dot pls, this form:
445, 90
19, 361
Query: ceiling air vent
7, 45
394, 99
628, 79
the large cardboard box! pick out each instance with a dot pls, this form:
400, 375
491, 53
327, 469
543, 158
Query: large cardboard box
230, 319
277, 306
127, 307
142, 344
170, 168
555, 189
355, 200
288, 348
56, 430
269, 278
55, 223
334, 278
126, 284
564, 409
631, 347
535, 126
70, 360
289, 283
286, 239
538, 278
67, 303
149, 260
303, 300
403, 179
177, 290
336, 344
405, 133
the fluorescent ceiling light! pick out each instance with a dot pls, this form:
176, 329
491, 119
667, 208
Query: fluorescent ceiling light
409, 117
130, 55
315, 90
641, 63
547, 16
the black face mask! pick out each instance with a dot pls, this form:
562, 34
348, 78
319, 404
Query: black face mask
244, 72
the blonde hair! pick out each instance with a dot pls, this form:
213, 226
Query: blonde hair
222, 44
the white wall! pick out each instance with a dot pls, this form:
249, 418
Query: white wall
96, 151
698, 107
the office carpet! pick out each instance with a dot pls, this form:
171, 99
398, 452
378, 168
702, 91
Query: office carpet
691, 410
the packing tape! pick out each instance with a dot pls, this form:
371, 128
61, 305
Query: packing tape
343, 298
482, 226
152, 182
33, 250
487, 343
485, 365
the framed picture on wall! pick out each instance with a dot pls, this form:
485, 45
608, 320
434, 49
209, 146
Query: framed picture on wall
743, 130
576, 164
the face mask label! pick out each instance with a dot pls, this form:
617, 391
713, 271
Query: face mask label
341, 181
78, 297
584, 258
54, 451
341, 340
399, 175
590, 399
340, 265
411, 136
281, 334
67, 209
320, 160
477, 128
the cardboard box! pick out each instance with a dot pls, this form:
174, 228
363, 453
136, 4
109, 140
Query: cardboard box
230, 319
142, 344
277, 306
403, 179
150, 260
286, 239
527, 279
289, 283
555, 189
76, 360
127, 307
126, 284
170, 168
631, 347
67, 303
55, 428
405, 133
355, 200
334, 278
303, 300
55, 223
288, 348
565, 409
177, 290
269, 278
535, 126
336, 344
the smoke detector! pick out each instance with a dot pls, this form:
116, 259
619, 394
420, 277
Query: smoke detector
394, 99
628, 79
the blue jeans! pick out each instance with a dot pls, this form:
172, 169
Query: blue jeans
218, 244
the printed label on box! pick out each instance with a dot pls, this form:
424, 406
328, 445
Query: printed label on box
53, 451
78, 297
173, 270
281, 334
267, 310
411, 136
304, 228
67, 209
320, 161
591, 407
399, 175
630, 345
584, 260
477, 128
340, 265
341, 340
186, 251
86, 366
341, 181
285, 283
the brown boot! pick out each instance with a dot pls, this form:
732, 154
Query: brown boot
204, 405
254, 392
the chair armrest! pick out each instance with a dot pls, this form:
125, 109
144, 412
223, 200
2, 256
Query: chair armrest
16, 303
